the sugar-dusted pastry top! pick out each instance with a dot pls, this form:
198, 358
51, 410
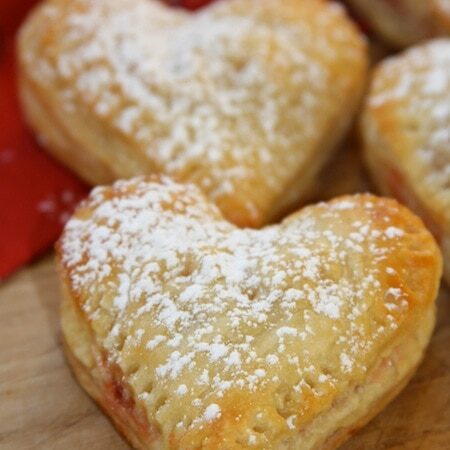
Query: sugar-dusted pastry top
225, 329
239, 98
408, 112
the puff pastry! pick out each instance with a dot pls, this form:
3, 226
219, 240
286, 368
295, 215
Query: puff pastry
405, 22
194, 334
244, 98
406, 132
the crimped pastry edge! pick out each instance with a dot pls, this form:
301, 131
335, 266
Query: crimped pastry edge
79, 345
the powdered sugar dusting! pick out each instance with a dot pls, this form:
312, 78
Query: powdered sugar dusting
217, 307
212, 412
229, 97
418, 81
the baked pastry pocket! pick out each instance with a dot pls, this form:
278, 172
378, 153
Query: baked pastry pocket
192, 333
247, 99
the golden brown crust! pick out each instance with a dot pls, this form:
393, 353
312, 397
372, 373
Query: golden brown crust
126, 424
405, 131
226, 339
140, 440
237, 98
405, 22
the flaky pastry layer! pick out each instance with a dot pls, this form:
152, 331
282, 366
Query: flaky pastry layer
192, 333
405, 126
244, 98
335, 426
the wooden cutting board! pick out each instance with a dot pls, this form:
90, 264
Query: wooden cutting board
42, 407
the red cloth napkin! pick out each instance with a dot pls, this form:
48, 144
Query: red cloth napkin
37, 194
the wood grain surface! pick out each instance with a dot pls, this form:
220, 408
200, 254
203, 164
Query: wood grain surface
42, 407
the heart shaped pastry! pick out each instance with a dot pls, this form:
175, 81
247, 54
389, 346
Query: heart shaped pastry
246, 99
406, 130
405, 22
192, 333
